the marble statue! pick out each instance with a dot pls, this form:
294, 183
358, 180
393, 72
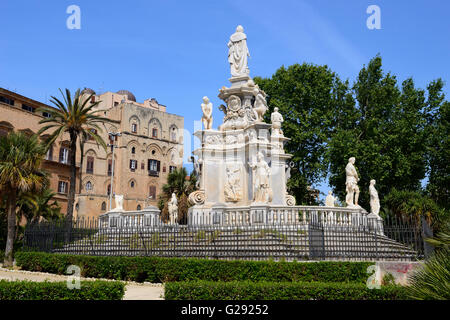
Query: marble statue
329, 200
232, 190
351, 184
118, 199
276, 118
207, 118
173, 209
261, 174
238, 53
374, 200
197, 170
260, 105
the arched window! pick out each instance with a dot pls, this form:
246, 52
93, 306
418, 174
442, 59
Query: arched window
132, 184
108, 191
173, 134
103, 206
133, 150
134, 128
139, 207
88, 186
152, 192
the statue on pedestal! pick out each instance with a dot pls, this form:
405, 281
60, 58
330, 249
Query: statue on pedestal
173, 209
261, 177
374, 200
276, 118
329, 200
118, 199
207, 118
260, 105
238, 53
351, 184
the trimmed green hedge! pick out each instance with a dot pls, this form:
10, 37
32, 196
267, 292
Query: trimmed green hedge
157, 269
246, 290
89, 290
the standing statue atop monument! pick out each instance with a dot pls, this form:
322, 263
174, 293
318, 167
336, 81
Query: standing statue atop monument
374, 200
351, 184
238, 53
329, 200
276, 118
207, 118
173, 209
261, 170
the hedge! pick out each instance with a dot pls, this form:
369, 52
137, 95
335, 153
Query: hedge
89, 290
158, 269
246, 290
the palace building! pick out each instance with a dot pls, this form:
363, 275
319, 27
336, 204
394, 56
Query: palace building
148, 144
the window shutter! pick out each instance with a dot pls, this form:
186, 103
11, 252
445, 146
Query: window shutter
158, 165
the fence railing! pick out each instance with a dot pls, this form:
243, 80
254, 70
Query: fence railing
319, 237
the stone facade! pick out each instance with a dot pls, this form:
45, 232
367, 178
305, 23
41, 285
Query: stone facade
19, 113
150, 145
149, 137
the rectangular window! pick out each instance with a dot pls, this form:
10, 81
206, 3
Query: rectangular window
142, 166
62, 186
133, 165
7, 100
153, 167
64, 155
90, 165
155, 133
49, 155
46, 114
152, 192
134, 128
109, 167
27, 108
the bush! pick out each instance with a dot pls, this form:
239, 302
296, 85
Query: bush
246, 290
89, 290
157, 269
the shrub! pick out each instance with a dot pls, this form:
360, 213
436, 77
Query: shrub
158, 269
89, 290
246, 290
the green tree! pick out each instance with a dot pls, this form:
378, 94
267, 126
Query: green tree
78, 118
20, 160
35, 205
182, 185
438, 151
307, 96
385, 133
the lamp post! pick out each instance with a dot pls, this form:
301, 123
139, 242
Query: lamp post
112, 136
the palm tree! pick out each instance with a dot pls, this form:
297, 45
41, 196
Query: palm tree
34, 206
20, 160
77, 118
182, 185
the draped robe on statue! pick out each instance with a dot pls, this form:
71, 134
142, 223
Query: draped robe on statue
238, 54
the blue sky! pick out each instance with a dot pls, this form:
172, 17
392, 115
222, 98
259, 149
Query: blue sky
175, 51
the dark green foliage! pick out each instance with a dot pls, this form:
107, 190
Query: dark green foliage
413, 204
438, 142
388, 137
246, 290
89, 290
433, 281
157, 269
307, 96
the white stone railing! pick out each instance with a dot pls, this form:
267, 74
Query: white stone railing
148, 217
281, 215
